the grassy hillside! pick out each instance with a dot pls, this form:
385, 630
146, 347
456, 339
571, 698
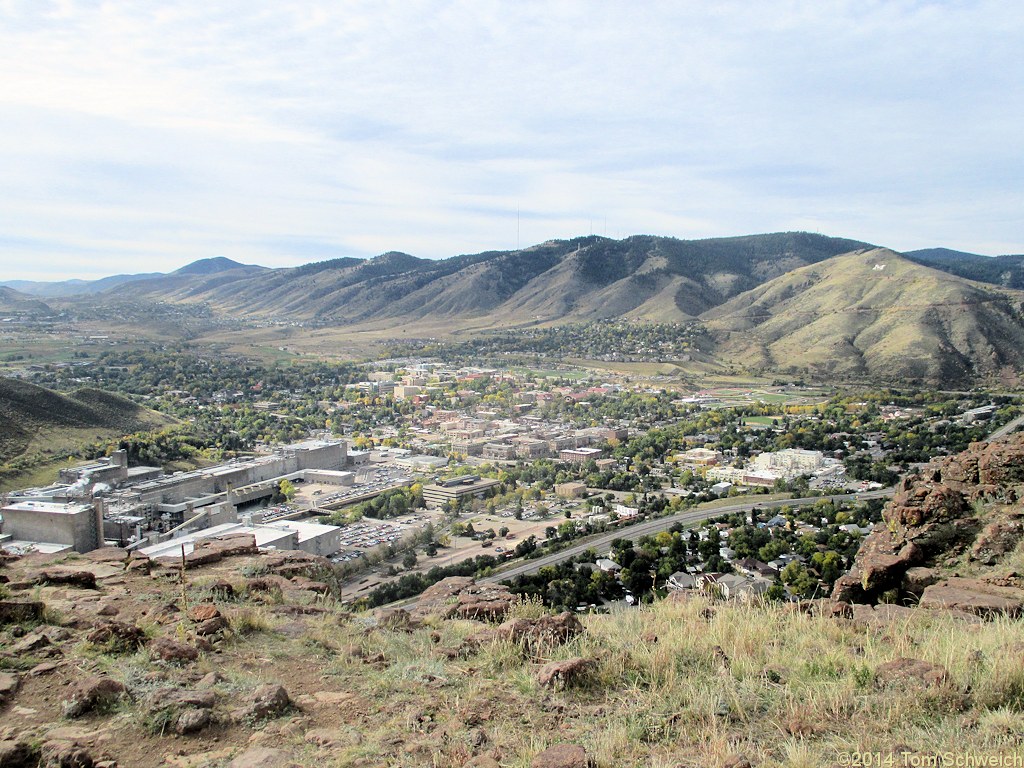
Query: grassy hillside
694, 682
874, 314
39, 427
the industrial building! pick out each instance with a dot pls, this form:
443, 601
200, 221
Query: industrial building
107, 500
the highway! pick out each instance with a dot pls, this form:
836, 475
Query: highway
603, 542
1006, 429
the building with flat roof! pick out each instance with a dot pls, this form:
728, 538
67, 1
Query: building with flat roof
579, 455
436, 495
79, 526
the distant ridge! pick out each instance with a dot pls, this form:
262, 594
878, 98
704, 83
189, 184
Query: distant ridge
70, 288
1007, 271
641, 277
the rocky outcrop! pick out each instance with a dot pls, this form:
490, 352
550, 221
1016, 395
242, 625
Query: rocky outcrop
958, 511
537, 635
213, 550
461, 597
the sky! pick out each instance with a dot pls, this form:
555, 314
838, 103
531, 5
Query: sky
139, 136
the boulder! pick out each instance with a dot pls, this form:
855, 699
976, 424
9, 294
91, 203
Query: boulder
92, 693
203, 612
561, 756
974, 596
108, 555
566, 673
912, 671
211, 626
17, 753
172, 651
118, 635
461, 597
267, 701
296, 563
538, 634
997, 539
9, 684
182, 711
56, 753
21, 611
68, 576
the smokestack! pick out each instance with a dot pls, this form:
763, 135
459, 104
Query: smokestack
99, 507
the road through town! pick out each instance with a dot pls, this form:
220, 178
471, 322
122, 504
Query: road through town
602, 542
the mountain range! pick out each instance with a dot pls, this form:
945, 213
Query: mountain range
791, 301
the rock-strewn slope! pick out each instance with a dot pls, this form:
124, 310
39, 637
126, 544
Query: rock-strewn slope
950, 538
236, 659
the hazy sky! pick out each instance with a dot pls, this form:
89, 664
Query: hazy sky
139, 136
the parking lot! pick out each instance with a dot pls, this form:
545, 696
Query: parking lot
370, 481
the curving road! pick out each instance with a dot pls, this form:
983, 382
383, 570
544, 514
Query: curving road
663, 524
1006, 429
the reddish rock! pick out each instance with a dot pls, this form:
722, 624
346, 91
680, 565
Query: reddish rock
915, 671
566, 673
996, 540
139, 563
266, 584
974, 596
269, 700
222, 589
461, 597
67, 576
561, 756
915, 580
117, 634
172, 651
203, 612
545, 632
108, 555
295, 563
17, 753
211, 626
31, 643
92, 693
65, 754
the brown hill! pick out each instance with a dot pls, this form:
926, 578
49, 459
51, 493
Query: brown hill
655, 278
874, 314
47, 424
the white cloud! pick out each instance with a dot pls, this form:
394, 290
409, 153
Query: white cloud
170, 131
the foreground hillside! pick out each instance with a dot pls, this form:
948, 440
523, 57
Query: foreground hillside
874, 314
38, 425
241, 659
